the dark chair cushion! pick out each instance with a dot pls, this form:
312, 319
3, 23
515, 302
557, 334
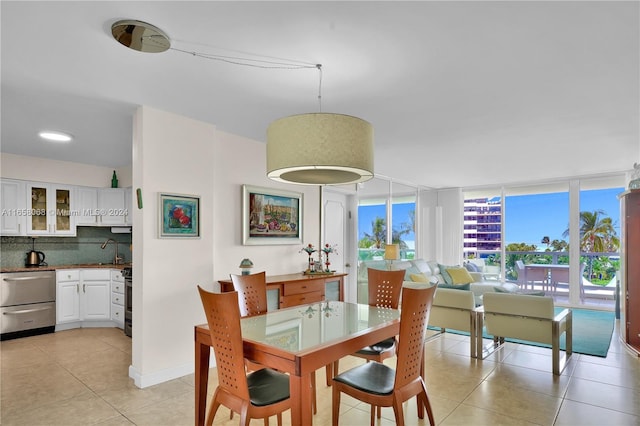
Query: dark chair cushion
372, 377
267, 386
379, 347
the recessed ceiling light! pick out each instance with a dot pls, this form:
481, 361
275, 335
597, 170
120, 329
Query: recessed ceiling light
55, 136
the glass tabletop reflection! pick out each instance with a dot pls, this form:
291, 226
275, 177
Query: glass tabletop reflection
300, 328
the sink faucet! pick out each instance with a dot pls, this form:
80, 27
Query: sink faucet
117, 259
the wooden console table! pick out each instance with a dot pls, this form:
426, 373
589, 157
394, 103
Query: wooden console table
299, 289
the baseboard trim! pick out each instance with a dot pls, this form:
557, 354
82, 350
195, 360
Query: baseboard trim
145, 380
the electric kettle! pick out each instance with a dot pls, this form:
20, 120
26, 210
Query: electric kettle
34, 258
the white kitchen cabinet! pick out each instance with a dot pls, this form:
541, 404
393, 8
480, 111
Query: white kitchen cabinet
83, 296
13, 208
87, 206
117, 298
113, 206
103, 206
95, 295
51, 209
67, 295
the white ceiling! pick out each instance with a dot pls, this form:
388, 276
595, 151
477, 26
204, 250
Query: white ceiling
459, 93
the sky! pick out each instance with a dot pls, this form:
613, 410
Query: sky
528, 217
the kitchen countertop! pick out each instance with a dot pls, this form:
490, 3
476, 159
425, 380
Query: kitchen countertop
76, 266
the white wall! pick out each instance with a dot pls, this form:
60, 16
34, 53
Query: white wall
172, 155
239, 161
64, 172
179, 155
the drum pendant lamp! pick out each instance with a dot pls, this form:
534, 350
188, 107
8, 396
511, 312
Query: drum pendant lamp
320, 149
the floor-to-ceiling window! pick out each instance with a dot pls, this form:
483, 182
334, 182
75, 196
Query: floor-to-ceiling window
403, 219
482, 225
382, 202
599, 241
559, 237
536, 240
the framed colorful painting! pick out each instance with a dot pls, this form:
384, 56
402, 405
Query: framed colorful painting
179, 216
271, 216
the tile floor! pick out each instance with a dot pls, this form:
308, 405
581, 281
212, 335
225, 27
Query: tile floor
79, 377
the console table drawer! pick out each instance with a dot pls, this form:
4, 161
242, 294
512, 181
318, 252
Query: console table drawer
301, 299
303, 287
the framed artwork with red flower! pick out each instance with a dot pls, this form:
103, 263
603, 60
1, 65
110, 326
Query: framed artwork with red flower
179, 216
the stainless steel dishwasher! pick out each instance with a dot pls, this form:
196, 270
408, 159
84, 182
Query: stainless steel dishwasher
27, 303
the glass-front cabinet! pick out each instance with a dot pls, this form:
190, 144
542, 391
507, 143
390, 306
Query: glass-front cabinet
50, 209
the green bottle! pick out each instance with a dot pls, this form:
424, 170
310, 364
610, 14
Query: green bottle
114, 180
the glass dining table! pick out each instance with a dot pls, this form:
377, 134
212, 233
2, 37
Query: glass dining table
298, 341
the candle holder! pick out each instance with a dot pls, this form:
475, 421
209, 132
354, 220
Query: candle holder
326, 250
311, 266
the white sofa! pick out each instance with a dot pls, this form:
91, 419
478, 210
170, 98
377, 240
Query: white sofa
431, 270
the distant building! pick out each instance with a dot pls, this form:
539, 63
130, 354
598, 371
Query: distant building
482, 226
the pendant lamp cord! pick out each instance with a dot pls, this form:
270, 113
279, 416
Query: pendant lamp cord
319, 66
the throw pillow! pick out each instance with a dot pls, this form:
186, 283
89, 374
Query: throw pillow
456, 287
410, 270
459, 276
422, 266
419, 278
445, 275
471, 267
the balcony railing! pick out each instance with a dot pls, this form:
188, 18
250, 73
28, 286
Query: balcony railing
599, 280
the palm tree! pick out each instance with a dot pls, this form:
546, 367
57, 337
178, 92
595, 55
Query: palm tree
559, 245
546, 240
378, 232
597, 233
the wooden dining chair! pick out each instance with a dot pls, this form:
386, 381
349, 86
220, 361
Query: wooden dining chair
380, 385
385, 288
252, 293
252, 296
260, 394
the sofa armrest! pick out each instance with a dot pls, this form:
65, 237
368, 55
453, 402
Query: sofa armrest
477, 276
564, 319
562, 315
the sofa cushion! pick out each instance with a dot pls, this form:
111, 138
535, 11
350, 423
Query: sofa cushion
400, 264
510, 287
471, 267
445, 274
504, 289
456, 286
421, 277
459, 275
433, 265
405, 266
375, 264
422, 266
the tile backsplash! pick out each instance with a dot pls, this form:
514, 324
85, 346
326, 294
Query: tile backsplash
83, 248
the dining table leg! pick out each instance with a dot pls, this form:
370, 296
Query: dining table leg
202, 353
300, 394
